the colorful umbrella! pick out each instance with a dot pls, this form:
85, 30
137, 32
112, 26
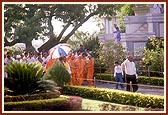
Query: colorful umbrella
59, 49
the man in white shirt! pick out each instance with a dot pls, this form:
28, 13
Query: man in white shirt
31, 59
45, 59
8, 58
131, 75
123, 69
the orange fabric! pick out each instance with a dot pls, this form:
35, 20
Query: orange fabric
68, 57
73, 68
80, 70
49, 63
90, 71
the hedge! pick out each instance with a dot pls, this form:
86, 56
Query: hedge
116, 96
157, 81
56, 104
40, 96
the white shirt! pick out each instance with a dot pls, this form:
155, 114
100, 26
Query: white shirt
44, 61
117, 69
123, 66
25, 59
31, 59
6, 60
130, 68
36, 58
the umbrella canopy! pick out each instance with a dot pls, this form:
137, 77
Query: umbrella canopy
58, 50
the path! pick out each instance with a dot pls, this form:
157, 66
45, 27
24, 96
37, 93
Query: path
144, 89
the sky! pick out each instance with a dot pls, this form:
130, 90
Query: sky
89, 26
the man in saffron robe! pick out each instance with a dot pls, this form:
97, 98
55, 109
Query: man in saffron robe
73, 68
90, 70
80, 69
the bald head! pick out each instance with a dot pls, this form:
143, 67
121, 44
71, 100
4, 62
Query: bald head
130, 58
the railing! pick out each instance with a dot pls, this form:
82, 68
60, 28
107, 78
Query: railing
94, 80
148, 71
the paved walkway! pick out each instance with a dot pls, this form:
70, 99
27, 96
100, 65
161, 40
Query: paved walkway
144, 89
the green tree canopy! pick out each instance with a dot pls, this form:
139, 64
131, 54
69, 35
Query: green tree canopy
126, 10
109, 52
21, 24
24, 22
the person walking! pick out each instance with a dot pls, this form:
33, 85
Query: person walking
90, 70
118, 73
131, 75
80, 62
123, 69
73, 67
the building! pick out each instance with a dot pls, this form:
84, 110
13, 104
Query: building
147, 21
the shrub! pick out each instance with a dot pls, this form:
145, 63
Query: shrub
23, 77
115, 96
141, 79
153, 55
72, 103
15, 50
18, 98
40, 105
109, 52
58, 73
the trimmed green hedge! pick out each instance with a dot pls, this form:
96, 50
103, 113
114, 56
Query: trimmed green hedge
72, 103
34, 104
40, 96
158, 81
116, 96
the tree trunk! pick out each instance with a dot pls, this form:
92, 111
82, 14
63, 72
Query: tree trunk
54, 41
48, 45
29, 46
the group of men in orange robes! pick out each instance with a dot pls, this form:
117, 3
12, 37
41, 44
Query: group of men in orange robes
81, 67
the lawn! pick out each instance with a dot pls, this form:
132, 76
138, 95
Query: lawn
96, 105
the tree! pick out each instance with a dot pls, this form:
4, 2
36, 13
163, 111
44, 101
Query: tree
109, 52
13, 14
72, 15
126, 10
22, 24
84, 38
153, 55
78, 38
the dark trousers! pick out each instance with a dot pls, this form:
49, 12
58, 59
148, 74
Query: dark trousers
134, 82
124, 77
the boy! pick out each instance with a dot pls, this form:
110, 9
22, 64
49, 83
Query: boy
118, 73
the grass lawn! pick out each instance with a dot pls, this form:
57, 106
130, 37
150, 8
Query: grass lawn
96, 105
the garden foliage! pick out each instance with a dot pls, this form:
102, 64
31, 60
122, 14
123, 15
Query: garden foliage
153, 56
25, 78
58, 73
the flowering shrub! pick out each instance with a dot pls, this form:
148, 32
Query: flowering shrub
153, 55
109, 52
